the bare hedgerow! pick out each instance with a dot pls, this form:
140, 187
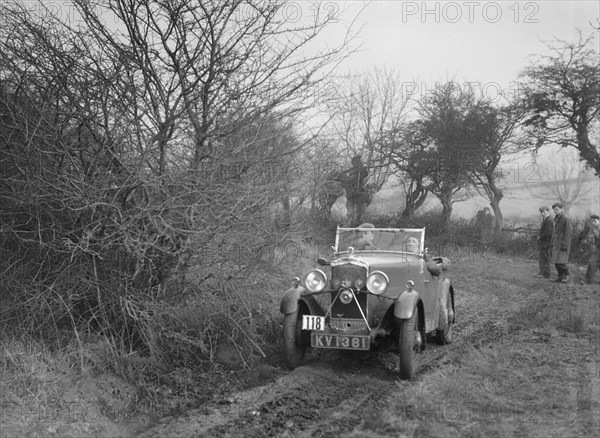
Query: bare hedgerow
135, 156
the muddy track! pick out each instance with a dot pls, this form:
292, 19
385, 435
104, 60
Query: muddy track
331, 394
320, 398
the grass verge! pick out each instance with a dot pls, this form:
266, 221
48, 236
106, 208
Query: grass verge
526, 362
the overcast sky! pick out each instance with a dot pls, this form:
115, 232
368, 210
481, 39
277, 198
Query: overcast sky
429, 42
469, 41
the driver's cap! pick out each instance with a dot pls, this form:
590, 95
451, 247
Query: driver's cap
366, 225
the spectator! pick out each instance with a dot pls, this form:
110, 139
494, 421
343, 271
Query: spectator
593, 226
561, 242
545, 243
484, 223
354, 181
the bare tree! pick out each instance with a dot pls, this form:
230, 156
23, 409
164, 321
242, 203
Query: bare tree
450, 123
458, 144
162, 141
497, 139
405, 150
561, 177
368, 108
562, 94
206, 69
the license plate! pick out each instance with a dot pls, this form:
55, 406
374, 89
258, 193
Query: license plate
345, 342
312, 322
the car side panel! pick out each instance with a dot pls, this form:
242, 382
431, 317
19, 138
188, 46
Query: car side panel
422, 278
432, 297
445, 289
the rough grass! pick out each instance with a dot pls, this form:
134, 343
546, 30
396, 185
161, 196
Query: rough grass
525, 362
222, 335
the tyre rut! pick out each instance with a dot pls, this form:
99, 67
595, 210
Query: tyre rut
317, 399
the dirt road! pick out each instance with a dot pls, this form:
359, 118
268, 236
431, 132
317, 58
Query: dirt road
525, 362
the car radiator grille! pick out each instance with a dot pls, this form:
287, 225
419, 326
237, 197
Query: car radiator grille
350, 325
346, 275
350, 310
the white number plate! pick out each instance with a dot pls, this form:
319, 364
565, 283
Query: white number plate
355, 342
312, 322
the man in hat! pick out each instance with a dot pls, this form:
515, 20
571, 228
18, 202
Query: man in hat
484, 223
593, 227
561, 242
545, 242
364, 238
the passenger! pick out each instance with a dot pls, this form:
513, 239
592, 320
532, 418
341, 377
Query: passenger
412, 245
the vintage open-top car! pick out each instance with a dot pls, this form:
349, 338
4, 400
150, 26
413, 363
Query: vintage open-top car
381, 290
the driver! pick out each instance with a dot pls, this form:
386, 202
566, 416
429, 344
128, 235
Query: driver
364, 239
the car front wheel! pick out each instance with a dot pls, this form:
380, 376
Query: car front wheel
293, 345
410, 345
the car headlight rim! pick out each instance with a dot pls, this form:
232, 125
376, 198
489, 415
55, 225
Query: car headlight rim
377, 282
315, 280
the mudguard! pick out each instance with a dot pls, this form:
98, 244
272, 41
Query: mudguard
289, 302
291, 298
406, 304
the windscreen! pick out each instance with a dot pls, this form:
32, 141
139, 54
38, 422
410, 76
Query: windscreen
380, 239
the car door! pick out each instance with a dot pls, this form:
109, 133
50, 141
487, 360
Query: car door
426, 286
431, 300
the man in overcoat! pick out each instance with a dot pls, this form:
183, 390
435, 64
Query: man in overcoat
545, 242
593, 228
561, 242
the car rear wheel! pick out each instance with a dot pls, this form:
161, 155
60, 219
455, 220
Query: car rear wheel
410, 345
445, 331
293, 346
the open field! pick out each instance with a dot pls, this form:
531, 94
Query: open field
519, 205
